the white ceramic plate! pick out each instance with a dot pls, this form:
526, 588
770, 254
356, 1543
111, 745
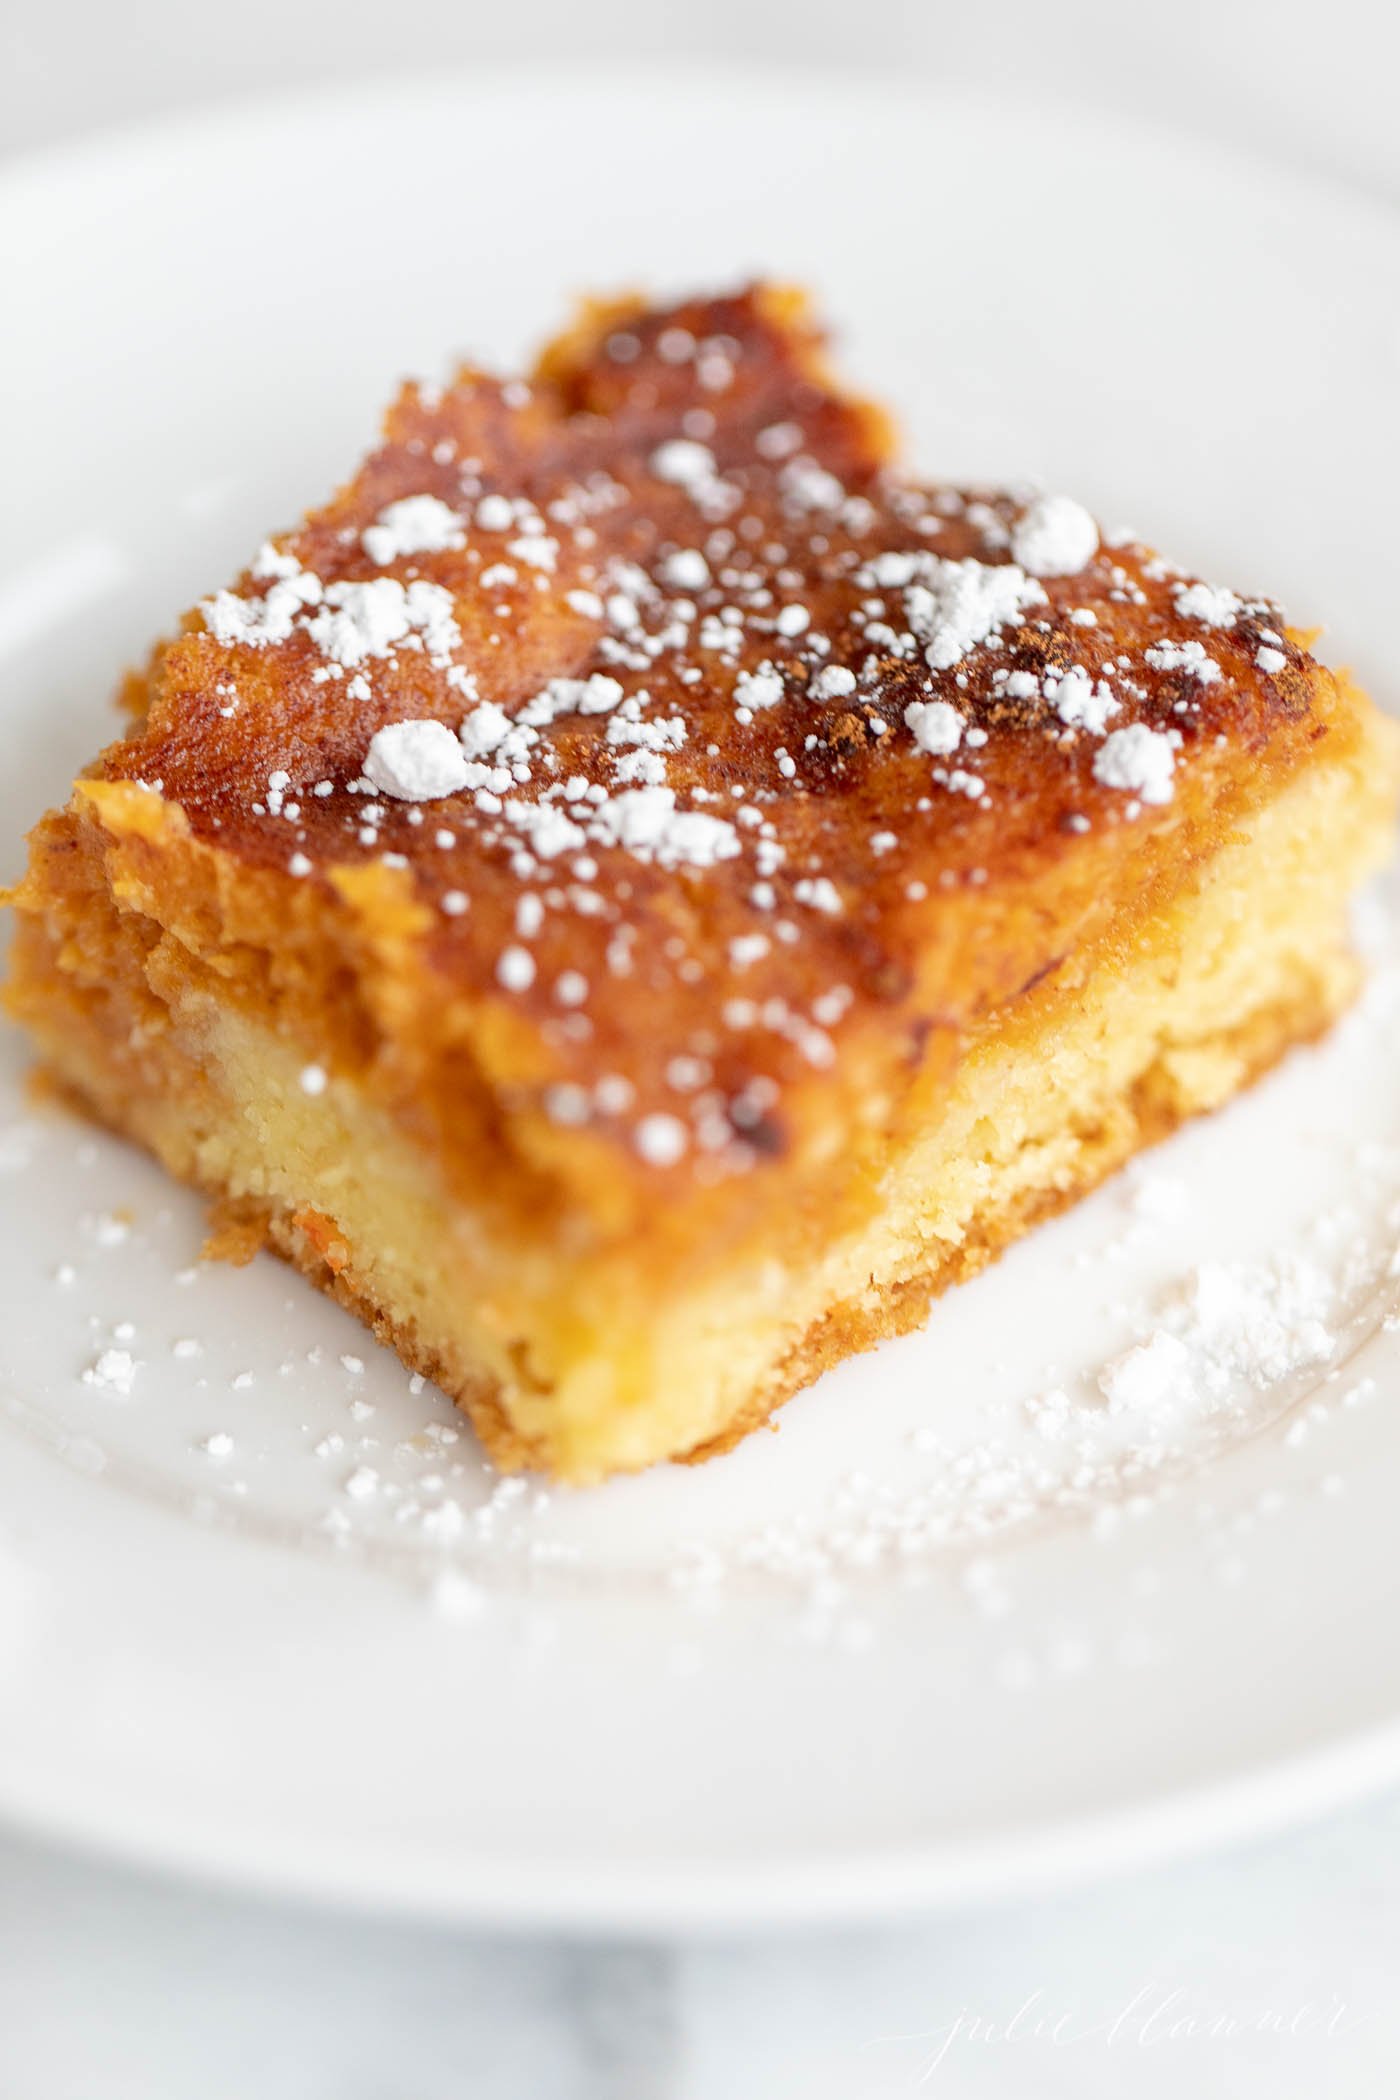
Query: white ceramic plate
942, 1635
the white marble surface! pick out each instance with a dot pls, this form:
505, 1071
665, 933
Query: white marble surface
1268, 1970
1265, 1971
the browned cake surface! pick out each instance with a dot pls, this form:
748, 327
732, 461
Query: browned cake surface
766, 782
847, 887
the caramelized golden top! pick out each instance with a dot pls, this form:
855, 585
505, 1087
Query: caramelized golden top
729, 762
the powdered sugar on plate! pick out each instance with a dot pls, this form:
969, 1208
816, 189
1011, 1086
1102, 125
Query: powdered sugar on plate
1117, 1358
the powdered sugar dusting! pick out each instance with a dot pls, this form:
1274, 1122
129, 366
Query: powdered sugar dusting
1212, 605
958, 605
1138, 760
1055, 536
416, 761
414, 525
1190, 657
936, 727
732, 650
360, 620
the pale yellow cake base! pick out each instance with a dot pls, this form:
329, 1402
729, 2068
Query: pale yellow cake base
1063, 1086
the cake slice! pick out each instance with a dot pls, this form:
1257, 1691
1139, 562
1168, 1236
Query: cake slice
636, 894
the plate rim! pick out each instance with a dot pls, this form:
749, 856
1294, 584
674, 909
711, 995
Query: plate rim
599, 1896
205, 122
592, 1897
